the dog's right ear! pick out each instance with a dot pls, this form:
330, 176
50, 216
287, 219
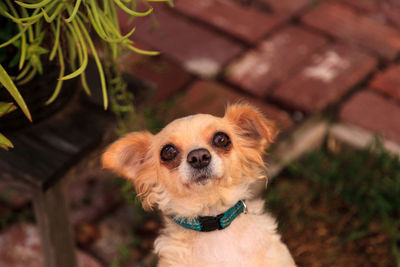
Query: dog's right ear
127, 154
129, 157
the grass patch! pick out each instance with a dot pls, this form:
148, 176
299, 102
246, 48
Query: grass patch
340, 209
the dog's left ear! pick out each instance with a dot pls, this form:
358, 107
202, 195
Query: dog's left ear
251, 124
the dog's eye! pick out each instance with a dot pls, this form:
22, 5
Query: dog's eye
168, 152
221, 139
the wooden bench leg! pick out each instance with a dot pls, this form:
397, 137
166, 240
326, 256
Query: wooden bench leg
56, 233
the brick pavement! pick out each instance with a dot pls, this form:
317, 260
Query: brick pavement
244, 23
374, 112
273, 60
196, 47
388, 81
325, 78
347, 24
294, 58
20, 246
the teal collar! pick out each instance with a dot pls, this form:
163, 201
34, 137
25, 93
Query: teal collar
211, 223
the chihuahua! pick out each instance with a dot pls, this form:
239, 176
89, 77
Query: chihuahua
198, 171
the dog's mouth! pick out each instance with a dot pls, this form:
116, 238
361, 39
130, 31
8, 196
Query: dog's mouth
202, 179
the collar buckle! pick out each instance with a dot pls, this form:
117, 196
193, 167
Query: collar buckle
210, 223
245, 210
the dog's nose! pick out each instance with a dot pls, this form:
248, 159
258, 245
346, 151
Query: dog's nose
199, 158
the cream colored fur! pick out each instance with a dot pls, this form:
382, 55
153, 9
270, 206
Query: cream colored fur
251, 239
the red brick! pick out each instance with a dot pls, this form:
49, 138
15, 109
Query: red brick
198, 49
273, 60
385, 11
164, 75
345, 23
212, 98
288, 7
388, 81
20, 246
242, 22
364, 5
325, 78
374, 6
91, 195
372, 111
114, 233
392, 13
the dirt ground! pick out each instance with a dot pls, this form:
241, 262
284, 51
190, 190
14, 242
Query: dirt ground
319, 230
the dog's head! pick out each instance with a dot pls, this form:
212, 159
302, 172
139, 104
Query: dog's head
197, 163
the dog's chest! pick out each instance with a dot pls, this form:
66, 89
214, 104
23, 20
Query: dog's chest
243, 240
228, 247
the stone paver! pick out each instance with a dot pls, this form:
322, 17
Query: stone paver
195, 47
92, 194
374, 112
113, 233
365, 5
119, 230
161, 74
288, 7
346, 23
273, 60
386, 11
325, 78
211, 97
20, 246
245, 23
376, 8
388, 81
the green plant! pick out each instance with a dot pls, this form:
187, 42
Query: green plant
59, 30
4, 109
123, 257
367, 182
9, 215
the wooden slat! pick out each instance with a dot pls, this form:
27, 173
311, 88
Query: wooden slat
19, 164
54, 140
45, 151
